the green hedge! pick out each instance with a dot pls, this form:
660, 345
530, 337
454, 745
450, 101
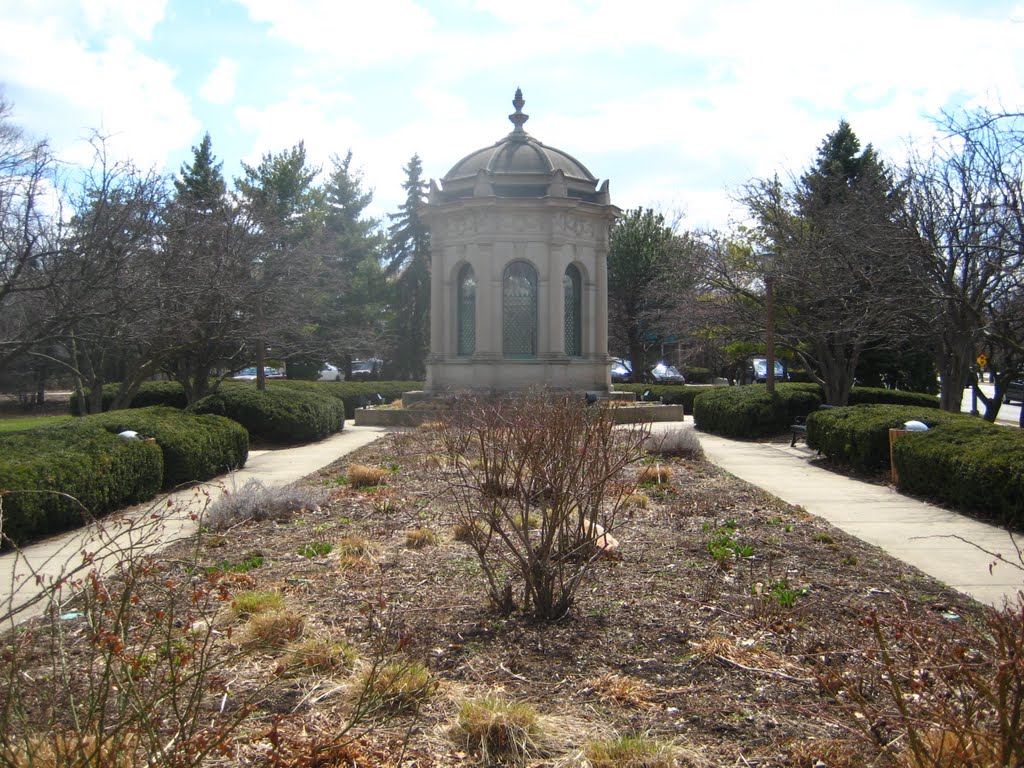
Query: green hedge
670, 394
100, 470
195, 447
858, 435
169, 393
285, 415
970, 464
750, 412
350, 392
873, 395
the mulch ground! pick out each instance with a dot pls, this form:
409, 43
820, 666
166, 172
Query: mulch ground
769, 659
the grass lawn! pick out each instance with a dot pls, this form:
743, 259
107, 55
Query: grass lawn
21, 423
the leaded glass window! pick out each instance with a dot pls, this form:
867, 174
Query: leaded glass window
571, 284
466, 311
519, 310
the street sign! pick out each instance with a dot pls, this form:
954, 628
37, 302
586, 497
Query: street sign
982, 360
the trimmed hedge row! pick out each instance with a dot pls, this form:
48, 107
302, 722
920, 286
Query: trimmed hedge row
169, 393
285, 415
750, 411
195, 447
670, 394
872, 395
859, 435
52, 477
971, 464
352, 393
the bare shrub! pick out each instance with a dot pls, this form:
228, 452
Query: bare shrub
544, 475
678, 441
255, 501
129, 673
362, 476
956, 705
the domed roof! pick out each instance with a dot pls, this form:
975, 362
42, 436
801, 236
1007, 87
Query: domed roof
517, 166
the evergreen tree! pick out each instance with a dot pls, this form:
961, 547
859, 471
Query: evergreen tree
352, 285
409, 262
206, 275
285, 209
844, 263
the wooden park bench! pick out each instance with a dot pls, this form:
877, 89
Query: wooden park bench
799, 427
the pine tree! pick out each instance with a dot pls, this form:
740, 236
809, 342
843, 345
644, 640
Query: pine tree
409, 262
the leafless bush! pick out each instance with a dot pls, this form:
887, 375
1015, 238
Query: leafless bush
677, 441
255, 501
951, 705
128, 674
538, 476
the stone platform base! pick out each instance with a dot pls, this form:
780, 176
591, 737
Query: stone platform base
428, 409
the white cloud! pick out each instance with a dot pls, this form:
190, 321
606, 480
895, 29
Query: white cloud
102, 83
355, 33
132, 18
219, 86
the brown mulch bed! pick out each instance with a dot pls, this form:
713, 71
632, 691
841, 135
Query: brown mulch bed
766, 660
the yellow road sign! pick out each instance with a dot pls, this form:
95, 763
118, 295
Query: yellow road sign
982, 360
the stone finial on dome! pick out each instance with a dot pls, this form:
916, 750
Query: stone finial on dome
518, 117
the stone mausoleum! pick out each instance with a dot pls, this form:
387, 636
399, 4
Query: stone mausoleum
519, 277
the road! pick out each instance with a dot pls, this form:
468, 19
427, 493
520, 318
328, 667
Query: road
1008, 414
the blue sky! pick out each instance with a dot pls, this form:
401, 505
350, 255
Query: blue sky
676, 102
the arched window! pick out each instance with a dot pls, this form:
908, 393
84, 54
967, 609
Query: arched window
466, 311
572, 284
519, 310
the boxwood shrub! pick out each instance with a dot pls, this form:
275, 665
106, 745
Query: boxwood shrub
150, 393
195, 447
750, 412
284, 415
968, 463
53, 477
858, 435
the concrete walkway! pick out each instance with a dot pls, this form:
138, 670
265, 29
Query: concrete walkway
941, 543
31, 578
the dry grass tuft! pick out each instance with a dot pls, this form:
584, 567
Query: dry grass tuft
621, 689
363, 476
654, 474
432, 426
498, 730
246, 604
397, 687
274, 629
637, 751
321, 656
418, 538
638, 500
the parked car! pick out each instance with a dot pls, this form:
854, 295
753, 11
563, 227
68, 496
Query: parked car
367, 370
1014, 391
663, 373
759, 370
249, 374
330, 373
622, 371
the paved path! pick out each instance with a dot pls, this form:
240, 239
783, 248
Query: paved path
29, 577
938, 542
